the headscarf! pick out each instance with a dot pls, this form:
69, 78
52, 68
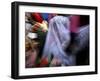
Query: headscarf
37, 17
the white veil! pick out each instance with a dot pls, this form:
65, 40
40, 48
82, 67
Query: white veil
58, 38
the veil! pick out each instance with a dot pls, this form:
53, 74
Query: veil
58, 39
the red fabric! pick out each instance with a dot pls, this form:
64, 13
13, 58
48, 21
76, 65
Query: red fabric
37, 17
44, 62
75, 22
